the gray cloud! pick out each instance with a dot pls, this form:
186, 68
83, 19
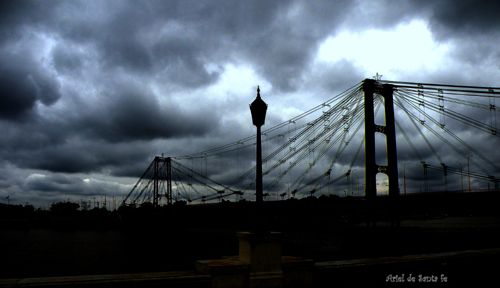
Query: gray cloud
23, 83
134, 115
471, 25
66, 60
57, 187
172, 38
463, 18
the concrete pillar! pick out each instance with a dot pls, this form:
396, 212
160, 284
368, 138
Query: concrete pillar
225, 273
370, 165
262, 253
390, 133
259, 264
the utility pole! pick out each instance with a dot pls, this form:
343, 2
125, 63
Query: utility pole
169, 180
462, 177
370, 166
156, 180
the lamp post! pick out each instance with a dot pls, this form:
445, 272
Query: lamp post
258, 109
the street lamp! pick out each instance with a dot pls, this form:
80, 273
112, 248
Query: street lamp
258, 109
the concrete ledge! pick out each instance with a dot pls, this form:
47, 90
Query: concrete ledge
224, 265
273, 279
469, 268
297, 272
406, 259
225, 272
293, 262
177, 278
261, 251
475, 268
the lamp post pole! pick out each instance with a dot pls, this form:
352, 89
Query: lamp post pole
258, 109
259, 195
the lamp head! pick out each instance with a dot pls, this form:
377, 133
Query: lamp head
258, 109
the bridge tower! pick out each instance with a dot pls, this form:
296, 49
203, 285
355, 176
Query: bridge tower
162, 172
370, 87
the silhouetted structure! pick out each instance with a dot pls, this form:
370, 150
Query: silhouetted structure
159, 176
324, 139
258, 109
371, 168
162, 173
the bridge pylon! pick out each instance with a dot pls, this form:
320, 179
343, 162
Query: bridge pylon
371, 87
162, 172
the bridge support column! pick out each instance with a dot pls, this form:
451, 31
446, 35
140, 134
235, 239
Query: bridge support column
370, 165
162, 171
390, 133
370, 87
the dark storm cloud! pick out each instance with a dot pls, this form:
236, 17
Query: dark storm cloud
57, 187
85, 156
18, 95
178, 38
285, 48
131, 114
87, 139
17, 14
472, 24
53, 183
171, 40
66, 60
23, 83
447, 18
331, 77
463, 17
142, 38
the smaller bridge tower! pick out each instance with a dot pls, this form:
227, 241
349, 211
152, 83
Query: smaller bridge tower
162, 174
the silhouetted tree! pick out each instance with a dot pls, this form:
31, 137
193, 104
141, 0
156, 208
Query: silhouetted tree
64, 208
180, 203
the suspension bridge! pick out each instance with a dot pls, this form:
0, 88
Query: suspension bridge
375, 138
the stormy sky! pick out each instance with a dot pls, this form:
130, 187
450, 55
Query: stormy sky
91, 91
